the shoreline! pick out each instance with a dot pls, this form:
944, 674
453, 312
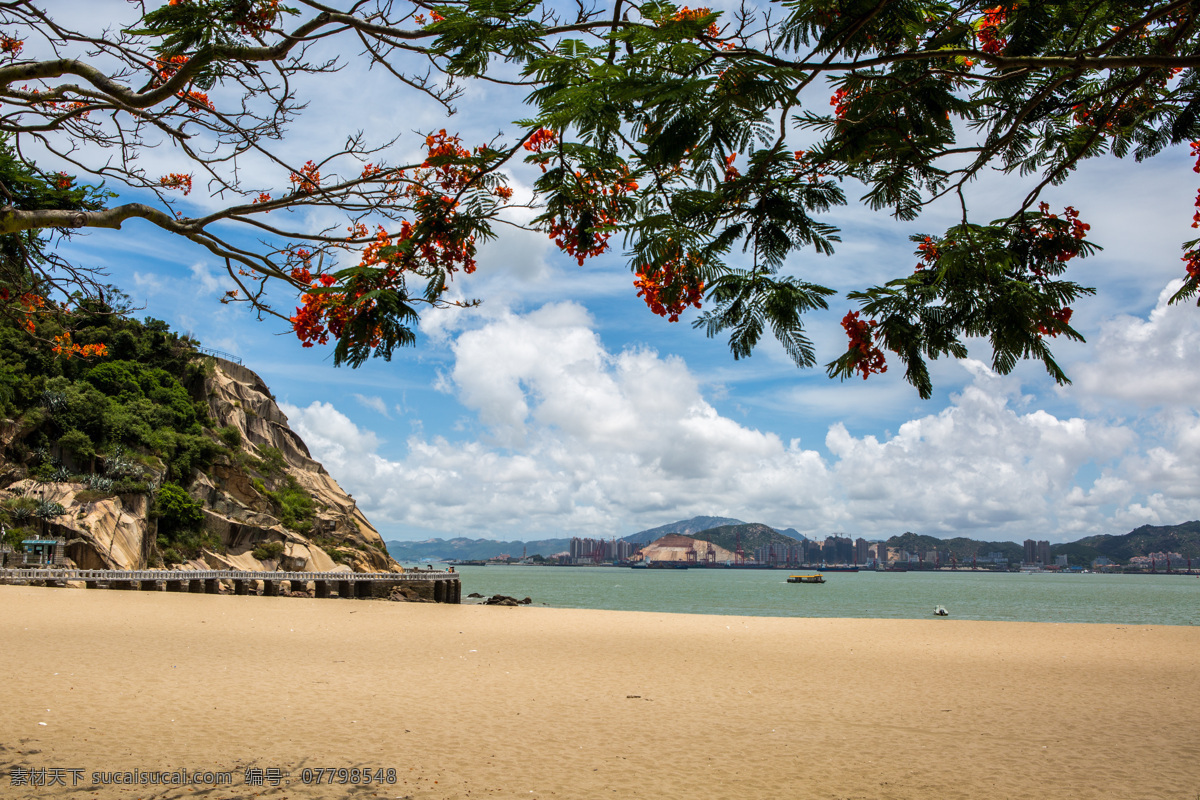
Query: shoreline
554, 702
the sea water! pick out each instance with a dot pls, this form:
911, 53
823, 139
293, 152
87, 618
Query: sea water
1044, 597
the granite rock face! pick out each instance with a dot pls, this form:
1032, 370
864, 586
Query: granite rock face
119, 533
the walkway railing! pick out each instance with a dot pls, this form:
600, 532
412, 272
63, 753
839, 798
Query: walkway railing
219, 354
218, 574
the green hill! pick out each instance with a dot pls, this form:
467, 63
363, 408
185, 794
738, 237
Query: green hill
960, 548
1183, 539
752, 535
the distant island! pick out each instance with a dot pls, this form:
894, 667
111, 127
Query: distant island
1148, 547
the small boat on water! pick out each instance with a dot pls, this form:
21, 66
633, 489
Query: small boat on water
941, 611
827, 568
806, 579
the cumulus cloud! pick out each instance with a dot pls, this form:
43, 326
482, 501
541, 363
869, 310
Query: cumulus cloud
1149, 362
577, 439
979, 464
374, 402
147, 283
205, 279
574, 439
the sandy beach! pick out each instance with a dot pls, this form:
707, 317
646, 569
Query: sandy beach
475, 701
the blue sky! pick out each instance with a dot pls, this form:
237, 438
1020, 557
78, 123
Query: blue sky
562, 406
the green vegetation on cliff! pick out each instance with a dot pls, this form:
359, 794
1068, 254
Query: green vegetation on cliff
115, 420
133, 422
180, 524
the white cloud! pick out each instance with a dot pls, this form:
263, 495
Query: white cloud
204, 278
978, 465
1149, 362
147, 283
375, 403
578, 440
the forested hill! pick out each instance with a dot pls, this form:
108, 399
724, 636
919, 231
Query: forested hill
1183, 539
960, 548
750, 536
154, 454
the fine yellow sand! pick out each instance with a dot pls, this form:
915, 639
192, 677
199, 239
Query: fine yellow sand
475, 701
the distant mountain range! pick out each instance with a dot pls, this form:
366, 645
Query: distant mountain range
725, 532
686, 527
1183, 539
462, 549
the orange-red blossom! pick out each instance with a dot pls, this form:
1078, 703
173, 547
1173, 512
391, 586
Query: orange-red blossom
870, 358
582, 241
165, 69
689, 14
1061, 251
177, 180
433, 243
308, 180
569, 232
328, 313
988, 32
731, 172
34, 304
63, 346
1192, 257
671, 289
1063, 315
841, 100
10, 46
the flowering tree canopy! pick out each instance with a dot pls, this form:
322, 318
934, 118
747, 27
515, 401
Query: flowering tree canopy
673, 133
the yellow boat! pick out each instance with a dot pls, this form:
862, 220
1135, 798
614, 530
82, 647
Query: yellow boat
806, 579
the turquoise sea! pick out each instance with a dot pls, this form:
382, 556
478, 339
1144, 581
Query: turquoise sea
1047, 597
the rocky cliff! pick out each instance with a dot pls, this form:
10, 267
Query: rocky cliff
248, 493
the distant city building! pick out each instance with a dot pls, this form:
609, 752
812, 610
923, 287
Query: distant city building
595, 551
838, 550
881, 553
862, 551
1061, 560
813, 552
1037, 552
780, 555
1171, 560
1157, 561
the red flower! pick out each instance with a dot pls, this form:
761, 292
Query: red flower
672, 288
868, 358
177, 180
